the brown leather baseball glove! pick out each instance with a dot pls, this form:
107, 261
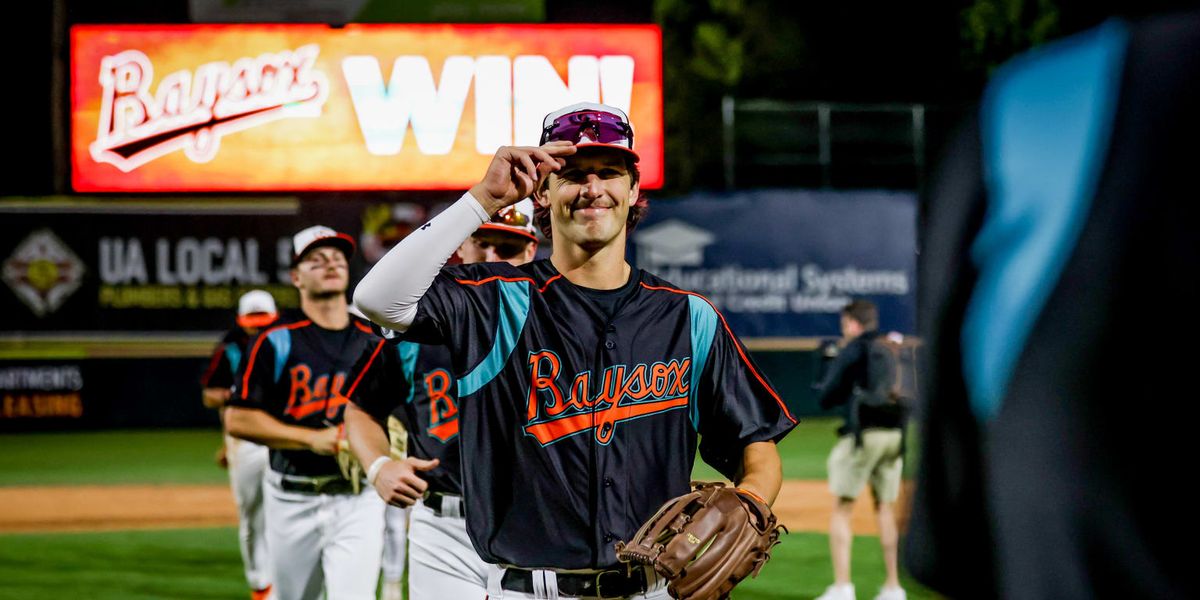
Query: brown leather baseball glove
706, 541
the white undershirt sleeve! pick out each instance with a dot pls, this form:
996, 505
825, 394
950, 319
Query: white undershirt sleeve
389, 292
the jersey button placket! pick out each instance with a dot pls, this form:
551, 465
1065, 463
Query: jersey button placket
608, 498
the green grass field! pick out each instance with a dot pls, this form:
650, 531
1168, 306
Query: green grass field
186, 456
129, 565
204, 563
110, 457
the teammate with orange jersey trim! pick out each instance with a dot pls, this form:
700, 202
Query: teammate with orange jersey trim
246, 461
324, 532
584, 385
405, 391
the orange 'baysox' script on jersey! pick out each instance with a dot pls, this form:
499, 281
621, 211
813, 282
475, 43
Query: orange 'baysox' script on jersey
647, 389
305, 399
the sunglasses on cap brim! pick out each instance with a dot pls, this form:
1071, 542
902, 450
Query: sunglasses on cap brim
590, 127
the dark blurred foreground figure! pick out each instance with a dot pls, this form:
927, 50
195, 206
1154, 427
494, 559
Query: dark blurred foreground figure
1059, 247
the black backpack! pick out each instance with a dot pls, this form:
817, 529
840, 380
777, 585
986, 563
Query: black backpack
891, 372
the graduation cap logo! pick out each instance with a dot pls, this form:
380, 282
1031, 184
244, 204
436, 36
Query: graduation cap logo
672, 243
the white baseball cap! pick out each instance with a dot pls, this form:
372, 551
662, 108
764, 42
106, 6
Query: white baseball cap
516, 219
590, 124
320, 235
256, 308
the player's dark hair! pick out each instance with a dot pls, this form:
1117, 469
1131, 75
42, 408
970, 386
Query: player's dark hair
864, 312
637, 210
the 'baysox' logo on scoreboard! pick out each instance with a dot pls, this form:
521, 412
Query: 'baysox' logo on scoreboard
191, 111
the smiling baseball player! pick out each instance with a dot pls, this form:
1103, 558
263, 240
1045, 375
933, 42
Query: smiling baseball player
584, 385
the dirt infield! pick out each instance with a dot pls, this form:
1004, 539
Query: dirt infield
90, 508
806, 506
801, 506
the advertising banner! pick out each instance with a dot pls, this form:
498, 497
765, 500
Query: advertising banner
160, 108
181, 268
101, 394
782, 263
172, 265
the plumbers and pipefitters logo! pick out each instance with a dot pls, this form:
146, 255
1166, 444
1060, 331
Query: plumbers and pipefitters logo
43, 272
192, 111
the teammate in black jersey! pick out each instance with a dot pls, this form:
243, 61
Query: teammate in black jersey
246, 461
407, 388
323, 532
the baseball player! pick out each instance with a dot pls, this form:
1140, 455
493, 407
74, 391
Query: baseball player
323, 530
413, 384
583, 384
245, 460
395, 518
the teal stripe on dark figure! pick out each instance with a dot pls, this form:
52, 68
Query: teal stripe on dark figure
281, 340
408, 363
234, 355
703, 328
513, 310
1046, 122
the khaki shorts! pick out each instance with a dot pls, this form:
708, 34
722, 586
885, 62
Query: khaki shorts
877, 462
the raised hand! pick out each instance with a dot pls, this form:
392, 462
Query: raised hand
515, 171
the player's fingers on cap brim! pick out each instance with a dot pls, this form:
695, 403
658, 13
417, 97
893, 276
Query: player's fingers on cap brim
559, 148
530, 168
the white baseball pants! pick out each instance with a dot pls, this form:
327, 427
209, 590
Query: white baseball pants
247, 466
330, 542
442, 563
395, 543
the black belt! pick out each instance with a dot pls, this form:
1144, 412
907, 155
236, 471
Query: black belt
434, 502
317, 485
600, 584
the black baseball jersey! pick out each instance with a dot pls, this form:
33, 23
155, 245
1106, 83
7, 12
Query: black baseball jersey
575, 426
297, 373
1059, 270
226, 360
413, 382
